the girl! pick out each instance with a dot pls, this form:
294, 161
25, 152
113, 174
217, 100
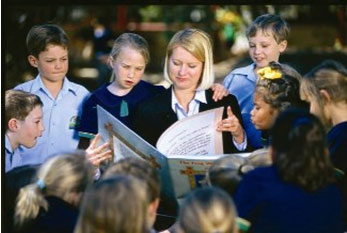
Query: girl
51, 204
276, 90
189, 68
117, 204
298, 192
128, 59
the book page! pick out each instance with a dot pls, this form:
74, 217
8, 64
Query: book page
193, 135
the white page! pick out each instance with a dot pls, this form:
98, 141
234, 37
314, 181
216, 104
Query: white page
193, 135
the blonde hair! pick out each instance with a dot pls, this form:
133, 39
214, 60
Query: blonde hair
59, 176
207, 210
115, 205
198, 43
133, 41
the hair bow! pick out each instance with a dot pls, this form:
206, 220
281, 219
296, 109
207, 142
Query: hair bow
269, 73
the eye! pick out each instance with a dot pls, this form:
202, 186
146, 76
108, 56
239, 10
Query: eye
252, 46
139, 68
192, 66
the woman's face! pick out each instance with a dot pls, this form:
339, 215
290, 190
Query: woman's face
262, 114
184, 69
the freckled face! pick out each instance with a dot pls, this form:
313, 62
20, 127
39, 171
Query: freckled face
128, 67
31, 128
263, 48
262, 114
184, 69
52, 63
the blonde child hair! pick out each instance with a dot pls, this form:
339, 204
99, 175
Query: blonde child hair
208, 210
130, 40
330, 76
115, 205
198, 43
60, 176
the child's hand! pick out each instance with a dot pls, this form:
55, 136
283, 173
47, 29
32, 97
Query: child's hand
232, 124
95, 154
219, 92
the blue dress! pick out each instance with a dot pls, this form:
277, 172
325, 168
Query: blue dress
273, 206
112, 103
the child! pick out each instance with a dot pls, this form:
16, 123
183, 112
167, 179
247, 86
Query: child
325, 88
118, 204
267, 37
51, 204
207, 210
23, 113
128, 59
48, 52
298, 192
276, 90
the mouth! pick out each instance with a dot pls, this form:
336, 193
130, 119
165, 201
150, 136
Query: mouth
128, 82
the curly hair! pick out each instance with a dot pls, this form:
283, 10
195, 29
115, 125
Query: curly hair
283, 92
300, 152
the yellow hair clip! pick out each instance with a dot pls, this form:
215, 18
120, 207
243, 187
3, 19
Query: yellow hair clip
268, 73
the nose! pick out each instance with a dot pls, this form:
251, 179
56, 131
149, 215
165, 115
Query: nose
58, 65
252, 112
182, 70
42, 128
131, 73
257, 50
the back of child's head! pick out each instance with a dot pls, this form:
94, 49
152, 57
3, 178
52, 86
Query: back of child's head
274, 23
279, 85
133, 41
114, 205
226, 173
40, 36
299, 150
140, 169
206, 210
330, 76
59, 176
18, 104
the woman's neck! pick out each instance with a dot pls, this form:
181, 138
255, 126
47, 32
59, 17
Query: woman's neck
338, 112
184, 97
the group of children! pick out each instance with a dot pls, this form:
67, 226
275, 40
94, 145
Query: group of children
50, 115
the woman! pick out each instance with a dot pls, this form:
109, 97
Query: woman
189, 68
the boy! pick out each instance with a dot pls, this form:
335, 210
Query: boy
48, 52
23, 113
267, 37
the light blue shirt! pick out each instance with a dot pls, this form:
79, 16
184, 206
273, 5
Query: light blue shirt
241, 83
12, 157
193, 108
60, 118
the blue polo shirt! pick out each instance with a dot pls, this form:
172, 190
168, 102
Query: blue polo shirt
12, 157
241, 83
60, 118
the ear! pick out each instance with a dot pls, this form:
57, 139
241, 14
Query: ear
13, 125
33, 61
325, 96
111, 61
153, 206
283, 45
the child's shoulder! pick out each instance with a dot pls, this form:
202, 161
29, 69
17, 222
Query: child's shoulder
77, 88
245, 70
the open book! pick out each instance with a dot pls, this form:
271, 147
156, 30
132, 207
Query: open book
184, 151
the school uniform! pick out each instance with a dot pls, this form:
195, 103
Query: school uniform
60, 119
154, 116
12, 157
241, 82
272, 205
120, 107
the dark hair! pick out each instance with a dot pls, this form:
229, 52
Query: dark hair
299, 150
283, 92
40, 36
139, 168
18, 104
275, 23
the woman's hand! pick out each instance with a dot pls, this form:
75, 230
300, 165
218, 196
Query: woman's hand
232, 125
219, 92
95, 154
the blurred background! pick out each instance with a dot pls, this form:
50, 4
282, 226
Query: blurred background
317, 33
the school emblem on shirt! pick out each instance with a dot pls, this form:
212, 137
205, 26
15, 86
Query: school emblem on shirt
74, 122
